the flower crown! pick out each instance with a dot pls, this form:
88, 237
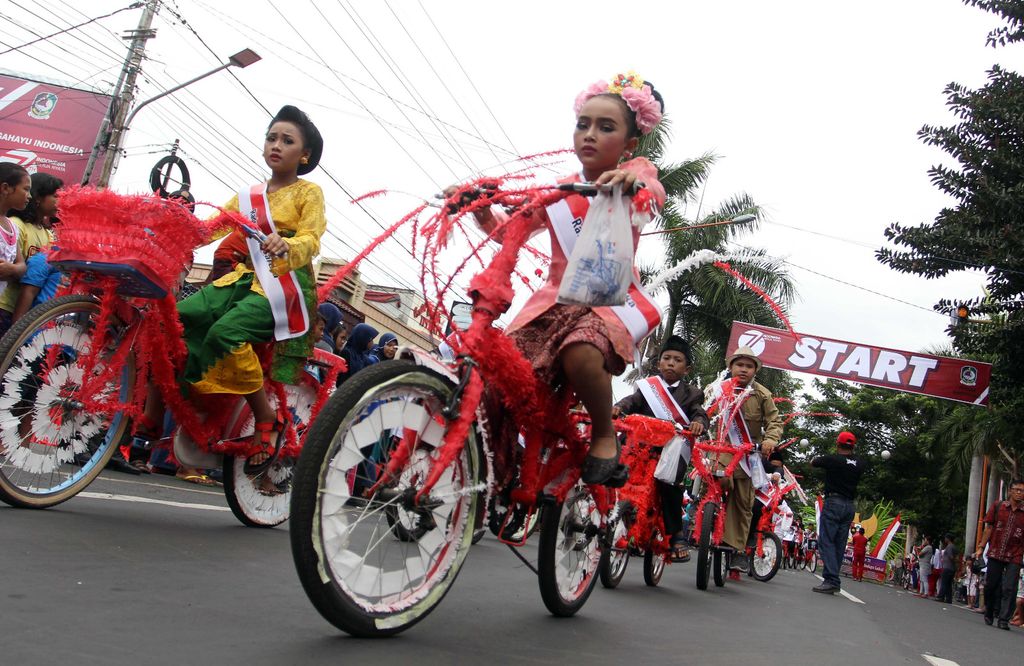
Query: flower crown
638, 96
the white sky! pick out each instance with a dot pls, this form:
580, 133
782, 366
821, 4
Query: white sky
813, 108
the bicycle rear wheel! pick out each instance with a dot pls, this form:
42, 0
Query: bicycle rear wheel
360, 574
569, 552
247, 495
51, 448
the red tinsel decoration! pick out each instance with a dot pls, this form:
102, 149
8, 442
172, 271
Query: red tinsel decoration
776, 308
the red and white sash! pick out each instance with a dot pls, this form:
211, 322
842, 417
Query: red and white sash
291, 319
640, 314
726, 401
655, 391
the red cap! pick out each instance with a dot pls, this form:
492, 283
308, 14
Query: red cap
846, 438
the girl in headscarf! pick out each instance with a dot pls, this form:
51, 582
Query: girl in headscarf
356, 351
386, 347
331, 316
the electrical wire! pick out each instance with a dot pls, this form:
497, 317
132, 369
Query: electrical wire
73, 27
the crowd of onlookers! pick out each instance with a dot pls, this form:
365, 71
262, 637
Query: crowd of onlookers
989, 580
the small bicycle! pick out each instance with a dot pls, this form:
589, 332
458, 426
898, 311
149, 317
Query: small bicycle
74, 369
709, 523
640, 527
407, 453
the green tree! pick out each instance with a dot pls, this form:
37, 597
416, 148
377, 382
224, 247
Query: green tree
704, 301
981, 231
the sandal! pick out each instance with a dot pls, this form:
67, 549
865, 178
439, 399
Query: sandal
198, 479
679, 550
267, 434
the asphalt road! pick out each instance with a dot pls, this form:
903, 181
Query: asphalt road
150, 570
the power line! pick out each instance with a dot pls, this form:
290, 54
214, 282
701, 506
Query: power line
848, 284
73, 27
472, 85
407, 84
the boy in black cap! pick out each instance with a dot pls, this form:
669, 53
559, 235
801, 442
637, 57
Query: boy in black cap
842, 474
653, 397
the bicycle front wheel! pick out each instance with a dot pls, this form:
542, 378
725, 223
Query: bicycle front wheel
364, 575
569, 552
763, 567
51, 447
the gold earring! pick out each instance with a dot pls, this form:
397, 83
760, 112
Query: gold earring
305, 160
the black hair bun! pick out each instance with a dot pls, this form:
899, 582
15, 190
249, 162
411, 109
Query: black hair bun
310, 135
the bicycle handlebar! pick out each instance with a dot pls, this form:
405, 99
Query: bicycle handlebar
585, 189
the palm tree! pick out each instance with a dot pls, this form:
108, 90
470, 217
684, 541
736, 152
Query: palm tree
704, 301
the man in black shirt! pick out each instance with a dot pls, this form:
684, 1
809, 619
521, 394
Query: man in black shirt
842, 473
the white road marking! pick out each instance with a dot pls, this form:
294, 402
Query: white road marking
938, 661
150, 484
150, 500
842, 592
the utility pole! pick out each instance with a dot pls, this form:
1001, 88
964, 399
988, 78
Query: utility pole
123, 95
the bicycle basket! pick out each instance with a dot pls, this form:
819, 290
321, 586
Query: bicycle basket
143, 241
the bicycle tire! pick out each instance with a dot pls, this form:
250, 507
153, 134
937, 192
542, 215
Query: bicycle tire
814, 565
654, 568
332, 478
568, 553
704, 546
251, 506
614, 560
69, 462
764, 568
718, 567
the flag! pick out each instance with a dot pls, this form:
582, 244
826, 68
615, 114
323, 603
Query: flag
882, 547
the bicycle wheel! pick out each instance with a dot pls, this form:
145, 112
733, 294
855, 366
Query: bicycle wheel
569, 552
719, 566
704, 546
50, 447
765, 566
253, 501
654, 567
358, 575
615, 558
813, 567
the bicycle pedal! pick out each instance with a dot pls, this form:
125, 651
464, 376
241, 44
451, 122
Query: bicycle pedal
619, 477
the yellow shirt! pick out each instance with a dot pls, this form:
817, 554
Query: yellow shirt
31, 239
298, 208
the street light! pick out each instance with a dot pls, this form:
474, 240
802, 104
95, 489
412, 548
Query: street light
241, 59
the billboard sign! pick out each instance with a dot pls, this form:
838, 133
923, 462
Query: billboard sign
938, 376
49, 127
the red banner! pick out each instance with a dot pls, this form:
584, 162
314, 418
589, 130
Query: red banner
937, 376
48, 127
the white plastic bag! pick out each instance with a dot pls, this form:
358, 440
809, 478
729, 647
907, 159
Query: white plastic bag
668, 464
600, 268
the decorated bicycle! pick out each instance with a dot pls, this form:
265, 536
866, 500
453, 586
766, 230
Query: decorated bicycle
639, 525
766, 553
714, 462
425, 443
73, 369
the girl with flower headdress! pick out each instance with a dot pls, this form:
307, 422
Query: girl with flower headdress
269, 296
587, 345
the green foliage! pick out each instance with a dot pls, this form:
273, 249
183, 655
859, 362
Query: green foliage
705, 301
982, 230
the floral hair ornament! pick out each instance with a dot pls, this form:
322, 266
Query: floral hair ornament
637, 95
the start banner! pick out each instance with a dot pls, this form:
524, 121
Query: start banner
937, 376
49, 127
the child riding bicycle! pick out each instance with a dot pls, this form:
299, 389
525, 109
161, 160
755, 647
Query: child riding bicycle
270, 297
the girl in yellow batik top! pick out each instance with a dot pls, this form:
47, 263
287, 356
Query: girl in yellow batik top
272, 296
